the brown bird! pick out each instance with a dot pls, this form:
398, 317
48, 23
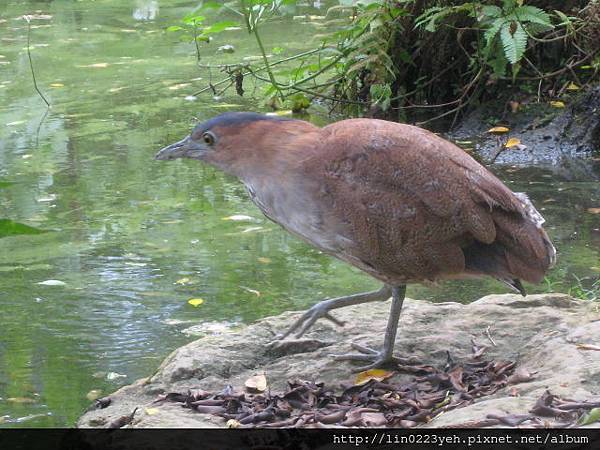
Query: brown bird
396, 201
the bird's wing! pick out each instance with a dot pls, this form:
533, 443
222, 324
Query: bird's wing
413, 201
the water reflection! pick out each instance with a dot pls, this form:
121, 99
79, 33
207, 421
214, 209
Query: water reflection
145, 10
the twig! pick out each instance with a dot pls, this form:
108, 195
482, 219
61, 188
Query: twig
487, 333
461, 103
259, 69
28, 19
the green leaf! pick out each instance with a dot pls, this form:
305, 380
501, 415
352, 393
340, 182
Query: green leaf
514, 43
591, 417
175, 28
193, 19
5, 184
491, 11
220, 26
493, 30
533, 14
299, 102
10, 228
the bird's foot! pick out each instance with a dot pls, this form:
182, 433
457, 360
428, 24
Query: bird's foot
323, 309
308, 319
378, 359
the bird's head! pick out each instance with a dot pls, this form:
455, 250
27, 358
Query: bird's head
236, 141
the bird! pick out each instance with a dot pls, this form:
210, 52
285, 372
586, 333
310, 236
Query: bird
394, 200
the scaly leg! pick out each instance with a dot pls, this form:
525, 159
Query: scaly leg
322, 309
384, 357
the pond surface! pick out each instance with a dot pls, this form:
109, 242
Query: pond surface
130, 240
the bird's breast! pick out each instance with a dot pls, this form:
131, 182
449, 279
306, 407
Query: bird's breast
291, 205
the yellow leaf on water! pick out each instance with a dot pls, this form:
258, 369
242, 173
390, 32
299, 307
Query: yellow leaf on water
20, 400
572, 87
57, 85
239, 218
97, 65
593, 210
252, 291
93, 394
176, 87
195, 302
512, 142
499, 130
557, 104
263, 260
151, 411
251, 229
183, 280
373, 374
257, 383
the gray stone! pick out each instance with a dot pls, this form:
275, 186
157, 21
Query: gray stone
540, 332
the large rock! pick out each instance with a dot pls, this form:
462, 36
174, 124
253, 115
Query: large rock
562, 140
540, 332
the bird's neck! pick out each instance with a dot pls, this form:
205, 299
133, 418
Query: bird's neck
277, 151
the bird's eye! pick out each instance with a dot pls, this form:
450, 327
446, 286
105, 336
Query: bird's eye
208, 138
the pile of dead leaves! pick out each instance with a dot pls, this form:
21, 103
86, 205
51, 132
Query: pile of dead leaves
372, 400
549, 411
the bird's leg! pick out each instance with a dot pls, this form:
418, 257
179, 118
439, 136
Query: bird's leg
386, 356
322, 309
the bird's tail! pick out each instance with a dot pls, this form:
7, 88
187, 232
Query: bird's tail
522, 249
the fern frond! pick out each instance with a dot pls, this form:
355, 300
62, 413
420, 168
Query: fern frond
493, 30
491, 11
514, 41
527, 13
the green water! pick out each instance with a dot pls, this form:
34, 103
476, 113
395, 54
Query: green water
133, 239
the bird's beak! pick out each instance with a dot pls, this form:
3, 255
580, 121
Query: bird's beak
186, 148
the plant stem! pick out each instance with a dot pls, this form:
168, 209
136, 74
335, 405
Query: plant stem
253, 29
28, 19
266, 60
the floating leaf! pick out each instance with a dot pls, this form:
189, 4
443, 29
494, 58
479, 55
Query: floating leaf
178, 86
512, 142
591, 417
184, 280
152, 411
93, 394
572, 87
57, 85
257, 383
557, 104
239, 218
250, 229
195, 302
252, 291
499, 130
97, 65
373, 374
10, 228
4, 184
593, 210
20, 400
52, 283
263, 260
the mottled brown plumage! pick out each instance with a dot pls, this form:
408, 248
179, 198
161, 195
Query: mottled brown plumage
394, 200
